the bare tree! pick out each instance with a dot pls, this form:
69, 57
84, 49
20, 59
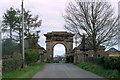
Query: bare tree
96, 19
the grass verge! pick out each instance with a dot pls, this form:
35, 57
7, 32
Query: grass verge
99, 70
27, 72
0, 76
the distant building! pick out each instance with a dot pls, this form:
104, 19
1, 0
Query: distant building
99, 53
6, 56
113, 52
31, 42
89, 52
42, 53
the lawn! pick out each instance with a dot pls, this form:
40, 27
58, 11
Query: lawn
27, 72
99, 70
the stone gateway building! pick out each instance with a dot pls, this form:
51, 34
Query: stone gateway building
53, 38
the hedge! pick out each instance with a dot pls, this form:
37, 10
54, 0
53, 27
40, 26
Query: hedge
31, 56
106, 62
70, 59
12, 64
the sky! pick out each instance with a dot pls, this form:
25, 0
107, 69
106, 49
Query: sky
49, 11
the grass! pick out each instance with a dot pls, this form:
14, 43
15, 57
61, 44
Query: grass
27, 72
99, 70
0, 75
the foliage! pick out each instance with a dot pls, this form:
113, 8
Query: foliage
70, 59
17, 57
9, 46
106, 62
31, 23
31, 56
27, 72
8, 65
9, 20
48, 60
12, 23
99, 70
95, 19
12, 64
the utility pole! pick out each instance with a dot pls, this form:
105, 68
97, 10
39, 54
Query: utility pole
76, 40
23, 54
119, 26
0, 51
0, 42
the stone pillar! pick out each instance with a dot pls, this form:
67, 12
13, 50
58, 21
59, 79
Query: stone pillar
74, 59
48, 50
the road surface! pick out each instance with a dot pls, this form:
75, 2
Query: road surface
63, 70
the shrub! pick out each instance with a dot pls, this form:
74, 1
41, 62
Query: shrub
17, 60
118, 64
31, 56
8, 65
99, 70
12, 64
70, 59
106, 62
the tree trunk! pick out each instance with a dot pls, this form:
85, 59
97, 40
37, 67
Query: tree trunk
11, 33
95, 53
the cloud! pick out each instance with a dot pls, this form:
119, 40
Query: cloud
59, 49
50, 11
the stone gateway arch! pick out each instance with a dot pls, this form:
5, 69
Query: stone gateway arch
53, 38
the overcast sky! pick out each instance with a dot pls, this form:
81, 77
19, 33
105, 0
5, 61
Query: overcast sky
50, 11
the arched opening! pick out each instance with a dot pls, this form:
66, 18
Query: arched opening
59, 52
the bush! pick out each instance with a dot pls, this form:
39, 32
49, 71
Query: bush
8, 65
9, 46
106, 62
99, 70
70, 59
12, 64
17, 60
118, 64
31, 56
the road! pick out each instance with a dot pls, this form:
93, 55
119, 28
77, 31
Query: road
63, 70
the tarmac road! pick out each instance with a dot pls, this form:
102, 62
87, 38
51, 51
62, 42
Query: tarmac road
63, 70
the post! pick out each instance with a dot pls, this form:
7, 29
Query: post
23, 55
75, 55
76, 41
119, 26
0, 51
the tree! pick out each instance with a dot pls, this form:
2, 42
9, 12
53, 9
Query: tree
31, 23
83, 44
97, 21
9, 46
9, 21
12, 22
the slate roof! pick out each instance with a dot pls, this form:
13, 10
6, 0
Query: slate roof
113, 50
